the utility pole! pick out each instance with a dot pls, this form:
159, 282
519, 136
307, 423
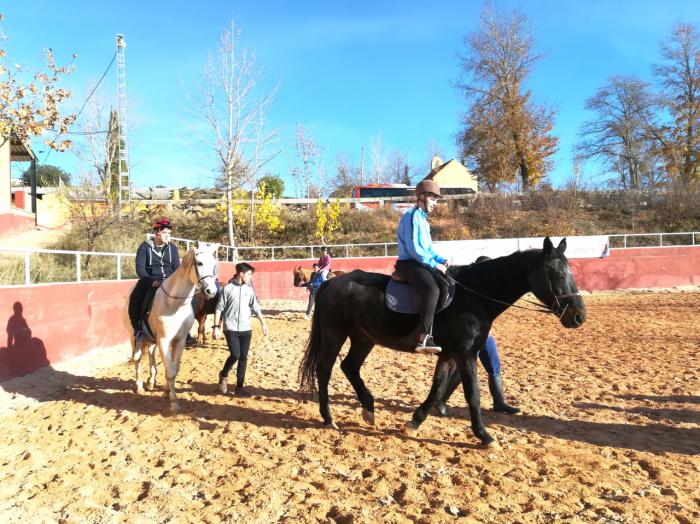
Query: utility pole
123, 164
362, 164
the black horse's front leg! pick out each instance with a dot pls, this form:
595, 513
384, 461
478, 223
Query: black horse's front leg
437, 392
466, 364
453, 381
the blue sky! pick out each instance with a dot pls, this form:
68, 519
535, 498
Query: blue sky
349, 71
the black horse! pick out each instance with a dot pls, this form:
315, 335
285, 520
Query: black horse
353, 305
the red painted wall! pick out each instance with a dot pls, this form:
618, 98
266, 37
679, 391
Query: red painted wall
639, 268
49, 323
13, 223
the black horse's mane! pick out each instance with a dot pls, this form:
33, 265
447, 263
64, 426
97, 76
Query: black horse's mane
499, 267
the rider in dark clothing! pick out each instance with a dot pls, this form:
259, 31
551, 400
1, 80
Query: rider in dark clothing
156, 260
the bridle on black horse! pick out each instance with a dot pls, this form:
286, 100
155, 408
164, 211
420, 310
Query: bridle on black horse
556, 308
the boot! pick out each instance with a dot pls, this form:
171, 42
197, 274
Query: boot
223, 384
499, 401
427, 346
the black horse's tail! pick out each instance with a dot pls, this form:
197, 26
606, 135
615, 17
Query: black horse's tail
312, 356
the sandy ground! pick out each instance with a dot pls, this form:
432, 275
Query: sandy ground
610, 432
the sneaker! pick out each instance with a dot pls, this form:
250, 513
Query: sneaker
190, 340
427, 346
241, 392
306, 316
223, 384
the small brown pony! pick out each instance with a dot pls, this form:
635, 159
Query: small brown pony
302, 275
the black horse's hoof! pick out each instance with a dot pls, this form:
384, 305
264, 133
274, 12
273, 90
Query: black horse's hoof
411, 429
507, 409
489, 442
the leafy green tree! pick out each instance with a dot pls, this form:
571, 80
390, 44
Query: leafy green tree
273, 184
46, 176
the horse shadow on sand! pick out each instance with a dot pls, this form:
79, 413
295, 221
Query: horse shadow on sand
116, 395
654, 437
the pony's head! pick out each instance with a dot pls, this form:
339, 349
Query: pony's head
204, 267
298, 276
552, 282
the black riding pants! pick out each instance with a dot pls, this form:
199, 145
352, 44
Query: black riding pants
238, 345
138, 295
424, 288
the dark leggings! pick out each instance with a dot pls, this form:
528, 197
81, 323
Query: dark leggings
138, 296
312, 297
424, 287
238, 344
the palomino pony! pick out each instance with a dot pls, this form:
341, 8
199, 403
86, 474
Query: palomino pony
353, 305
303, 274
171, 316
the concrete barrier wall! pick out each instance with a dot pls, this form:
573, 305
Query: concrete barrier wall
49, 323
46, 324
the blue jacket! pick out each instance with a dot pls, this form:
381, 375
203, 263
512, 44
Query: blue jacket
414, 239
154, 264
316, 281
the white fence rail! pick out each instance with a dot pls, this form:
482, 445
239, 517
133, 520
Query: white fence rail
633, 240
81, 263
20, 266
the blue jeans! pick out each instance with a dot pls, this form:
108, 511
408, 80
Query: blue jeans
489, 356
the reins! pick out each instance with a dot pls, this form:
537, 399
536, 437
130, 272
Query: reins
199, 281
541, 308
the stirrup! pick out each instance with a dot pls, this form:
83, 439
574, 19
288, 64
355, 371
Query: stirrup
427, 346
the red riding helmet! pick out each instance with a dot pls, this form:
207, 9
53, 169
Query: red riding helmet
163, 223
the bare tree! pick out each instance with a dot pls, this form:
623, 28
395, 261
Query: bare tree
499, 58
347, 177
680, 78
397, 167
97, 148
619, 134
378, 160
233, 104
308, 153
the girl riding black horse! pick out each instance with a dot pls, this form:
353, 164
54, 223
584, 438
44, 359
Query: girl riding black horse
353, 305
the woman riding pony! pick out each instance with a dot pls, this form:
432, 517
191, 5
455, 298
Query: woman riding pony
156, 260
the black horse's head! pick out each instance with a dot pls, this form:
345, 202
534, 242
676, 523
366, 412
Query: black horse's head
553, 283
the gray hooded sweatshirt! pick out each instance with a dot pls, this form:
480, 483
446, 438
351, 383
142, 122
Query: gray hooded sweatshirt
236, 305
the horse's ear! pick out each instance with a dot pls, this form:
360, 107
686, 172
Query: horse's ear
562, 247
548, 247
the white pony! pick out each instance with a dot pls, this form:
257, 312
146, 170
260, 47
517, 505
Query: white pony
171, 316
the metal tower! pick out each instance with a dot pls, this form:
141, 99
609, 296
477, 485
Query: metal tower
123, 145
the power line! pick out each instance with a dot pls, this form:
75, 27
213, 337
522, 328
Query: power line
98, 85
85, 103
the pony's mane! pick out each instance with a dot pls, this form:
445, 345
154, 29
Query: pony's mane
188, 259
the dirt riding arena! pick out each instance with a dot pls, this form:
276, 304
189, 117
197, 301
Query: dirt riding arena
610, 432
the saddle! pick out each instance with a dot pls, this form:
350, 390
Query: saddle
400, 298
143, 317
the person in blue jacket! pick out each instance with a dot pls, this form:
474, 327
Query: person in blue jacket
418, 260
156, 260
315, 280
